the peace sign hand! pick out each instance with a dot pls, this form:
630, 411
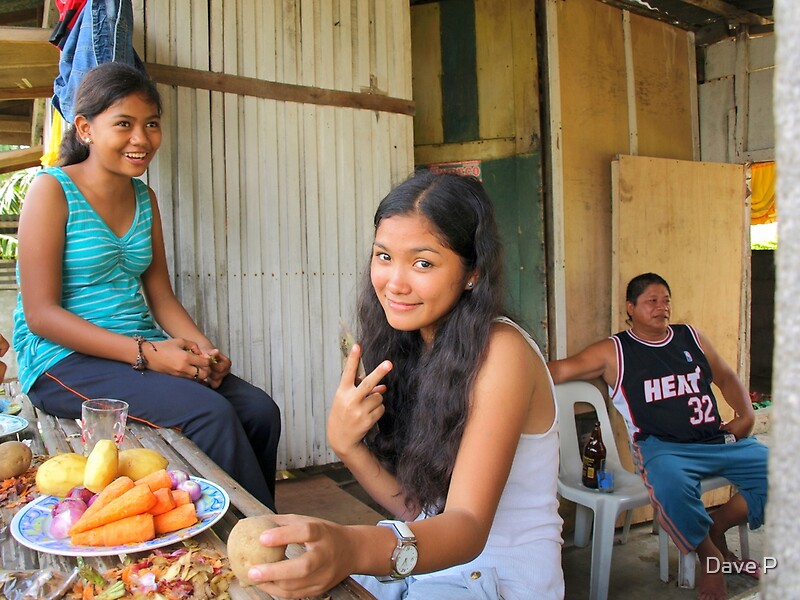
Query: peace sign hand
356, 407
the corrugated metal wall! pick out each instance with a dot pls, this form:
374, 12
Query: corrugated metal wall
267, 205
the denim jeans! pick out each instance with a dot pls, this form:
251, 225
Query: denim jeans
475, 585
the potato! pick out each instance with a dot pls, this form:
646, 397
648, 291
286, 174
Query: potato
101, 466
140, 462
59, 474
244, 549
15, 458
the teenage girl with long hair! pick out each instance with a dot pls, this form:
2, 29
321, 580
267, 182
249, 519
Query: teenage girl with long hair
466, 457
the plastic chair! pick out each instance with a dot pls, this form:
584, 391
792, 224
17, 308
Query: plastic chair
687, 563
629, 490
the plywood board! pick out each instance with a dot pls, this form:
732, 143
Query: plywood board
427, 58
662, 77
594, 129
495, 61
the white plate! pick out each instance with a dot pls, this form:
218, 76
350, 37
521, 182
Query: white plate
31, 525
11, 424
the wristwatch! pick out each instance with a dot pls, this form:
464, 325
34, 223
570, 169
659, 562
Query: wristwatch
404, 556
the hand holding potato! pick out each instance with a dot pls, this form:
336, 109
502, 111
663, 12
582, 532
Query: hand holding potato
326, 561
356, 408
245, 550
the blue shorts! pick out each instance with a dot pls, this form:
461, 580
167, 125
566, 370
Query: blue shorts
672, 473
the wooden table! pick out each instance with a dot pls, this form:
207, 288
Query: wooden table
50, 436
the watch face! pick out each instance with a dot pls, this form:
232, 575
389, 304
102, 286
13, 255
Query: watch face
406, 560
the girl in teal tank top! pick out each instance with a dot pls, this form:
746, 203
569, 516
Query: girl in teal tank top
97, 315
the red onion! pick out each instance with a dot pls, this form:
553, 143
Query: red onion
193, 489
91, 500
81, 493
68, 504
177, 477
65, 514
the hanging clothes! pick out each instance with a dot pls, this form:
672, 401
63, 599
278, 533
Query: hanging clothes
102, 32
763, 207
53, 140
68, 11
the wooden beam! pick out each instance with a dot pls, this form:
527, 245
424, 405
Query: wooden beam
258, 88
26, 93
26, 35
29, 15
15, 139
16, 160
729, 11
650, 13
15, 124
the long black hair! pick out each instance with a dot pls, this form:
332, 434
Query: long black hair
429, 392
101, 87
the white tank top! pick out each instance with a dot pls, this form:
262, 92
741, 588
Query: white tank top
524, 544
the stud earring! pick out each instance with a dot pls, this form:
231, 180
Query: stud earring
88, 140
470, 284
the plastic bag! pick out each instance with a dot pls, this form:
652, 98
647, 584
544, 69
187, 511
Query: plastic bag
45, 584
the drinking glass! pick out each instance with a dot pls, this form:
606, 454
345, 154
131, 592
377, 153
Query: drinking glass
102, 419
605, 480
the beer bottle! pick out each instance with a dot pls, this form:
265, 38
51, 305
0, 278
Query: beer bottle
594, 457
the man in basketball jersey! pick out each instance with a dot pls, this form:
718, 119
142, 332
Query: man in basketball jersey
659, 378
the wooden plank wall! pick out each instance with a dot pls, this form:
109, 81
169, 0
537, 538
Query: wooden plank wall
735, 100
619, 84
268, 204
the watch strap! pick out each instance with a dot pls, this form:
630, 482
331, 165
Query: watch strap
401, 530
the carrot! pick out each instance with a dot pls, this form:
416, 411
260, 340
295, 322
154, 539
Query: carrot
156, 480
112, 491
88, 592
137, 500
164, 501
130, 530
181, 497
178, 518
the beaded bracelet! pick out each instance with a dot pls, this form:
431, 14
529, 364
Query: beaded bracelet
141, 362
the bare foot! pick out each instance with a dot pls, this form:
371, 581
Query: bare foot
711, 586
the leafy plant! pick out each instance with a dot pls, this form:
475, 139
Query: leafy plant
13, 188
8, 247
765, 245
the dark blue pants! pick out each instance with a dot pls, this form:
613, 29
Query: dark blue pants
237, 425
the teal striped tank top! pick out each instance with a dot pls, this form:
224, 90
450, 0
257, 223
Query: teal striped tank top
101, 279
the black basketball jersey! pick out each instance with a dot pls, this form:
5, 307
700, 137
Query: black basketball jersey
664, 388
